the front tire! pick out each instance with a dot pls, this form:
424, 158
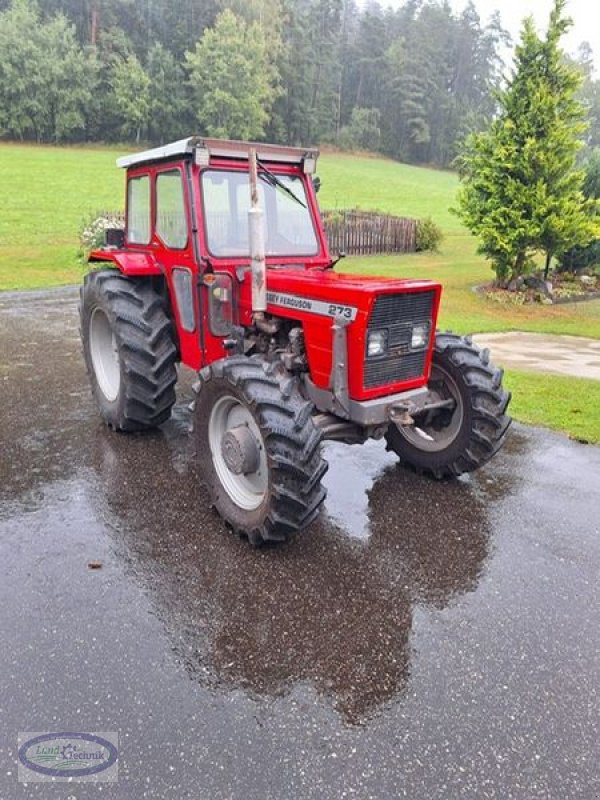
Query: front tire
448, 443
258, 449
129, 350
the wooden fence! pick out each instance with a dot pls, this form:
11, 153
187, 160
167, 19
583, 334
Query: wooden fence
365, 233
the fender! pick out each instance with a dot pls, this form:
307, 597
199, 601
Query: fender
128, 262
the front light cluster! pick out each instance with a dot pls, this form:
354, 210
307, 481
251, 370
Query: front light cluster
377, 340
420, 336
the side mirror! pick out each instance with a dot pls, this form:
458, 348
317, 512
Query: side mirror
316, 183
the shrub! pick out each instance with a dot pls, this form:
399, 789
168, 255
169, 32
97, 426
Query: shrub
578, 258
429, 235
363, 132
91, 231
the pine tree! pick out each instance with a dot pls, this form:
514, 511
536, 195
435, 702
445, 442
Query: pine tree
521, 193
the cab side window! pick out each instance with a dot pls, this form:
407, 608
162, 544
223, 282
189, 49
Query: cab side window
138, 210
171, 221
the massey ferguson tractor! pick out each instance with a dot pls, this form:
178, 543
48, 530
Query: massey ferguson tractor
224, 266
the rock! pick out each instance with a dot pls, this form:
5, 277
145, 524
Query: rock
532, 281
539, 285
516, 284
587, 280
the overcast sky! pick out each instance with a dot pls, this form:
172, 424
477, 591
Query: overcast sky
585, 15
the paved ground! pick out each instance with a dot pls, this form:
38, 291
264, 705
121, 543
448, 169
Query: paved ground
420, 640
565, 355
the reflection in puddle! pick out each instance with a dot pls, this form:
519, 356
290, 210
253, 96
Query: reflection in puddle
318, 611
353, 470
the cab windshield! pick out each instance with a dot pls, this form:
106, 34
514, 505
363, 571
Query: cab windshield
289, 229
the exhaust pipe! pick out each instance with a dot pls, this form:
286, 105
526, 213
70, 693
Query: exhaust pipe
256, 236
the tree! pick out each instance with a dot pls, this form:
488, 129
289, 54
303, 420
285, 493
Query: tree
590, 94
131, 86
168, 117
45, 77
104, 118
591, 183
521, 192
362, 132
232, 79
576, 258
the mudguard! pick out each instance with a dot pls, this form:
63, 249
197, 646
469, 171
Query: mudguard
127, 261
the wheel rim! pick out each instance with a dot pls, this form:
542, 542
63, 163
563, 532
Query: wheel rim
246, 490
435, 432
105, 355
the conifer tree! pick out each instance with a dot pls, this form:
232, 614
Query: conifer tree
521, 192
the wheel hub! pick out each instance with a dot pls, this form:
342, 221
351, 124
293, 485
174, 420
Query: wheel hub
240, 450
440, 423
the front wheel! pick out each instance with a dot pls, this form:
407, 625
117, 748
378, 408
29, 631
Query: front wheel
450, 441
258, 449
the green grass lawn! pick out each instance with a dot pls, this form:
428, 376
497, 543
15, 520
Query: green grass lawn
571, 405
47, 192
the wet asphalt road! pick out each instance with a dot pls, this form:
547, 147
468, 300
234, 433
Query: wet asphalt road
420, 640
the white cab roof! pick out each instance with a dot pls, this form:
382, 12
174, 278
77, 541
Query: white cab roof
206, 148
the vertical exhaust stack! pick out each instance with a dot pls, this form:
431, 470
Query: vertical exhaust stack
256, 234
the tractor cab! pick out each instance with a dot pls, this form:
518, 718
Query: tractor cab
224, 266
217, 197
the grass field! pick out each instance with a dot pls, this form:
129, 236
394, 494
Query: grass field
47, 192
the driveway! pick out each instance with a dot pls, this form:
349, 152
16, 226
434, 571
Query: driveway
433, 641
576, 356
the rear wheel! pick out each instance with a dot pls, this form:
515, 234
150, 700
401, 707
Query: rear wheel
259, 451
450, 441
129, 350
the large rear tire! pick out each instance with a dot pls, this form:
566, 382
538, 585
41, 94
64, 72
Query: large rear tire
259, 451
449, 442
129, 350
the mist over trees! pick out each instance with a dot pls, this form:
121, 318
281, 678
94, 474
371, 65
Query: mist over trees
410, 83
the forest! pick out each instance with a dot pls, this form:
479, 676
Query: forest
410, 82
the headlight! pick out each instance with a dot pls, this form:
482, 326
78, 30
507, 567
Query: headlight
376, 343
420, 337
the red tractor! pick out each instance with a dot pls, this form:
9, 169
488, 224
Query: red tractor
224, 266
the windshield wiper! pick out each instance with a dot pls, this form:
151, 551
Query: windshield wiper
274, 181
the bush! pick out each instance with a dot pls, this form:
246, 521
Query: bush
363, 132
429, 235
579, 258
591, 183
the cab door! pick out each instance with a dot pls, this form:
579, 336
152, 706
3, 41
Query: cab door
173, 248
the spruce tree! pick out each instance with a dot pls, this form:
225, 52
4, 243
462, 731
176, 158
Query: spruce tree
521, 192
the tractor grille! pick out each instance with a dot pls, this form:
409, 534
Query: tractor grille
392, 369
398, 313
398, 309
